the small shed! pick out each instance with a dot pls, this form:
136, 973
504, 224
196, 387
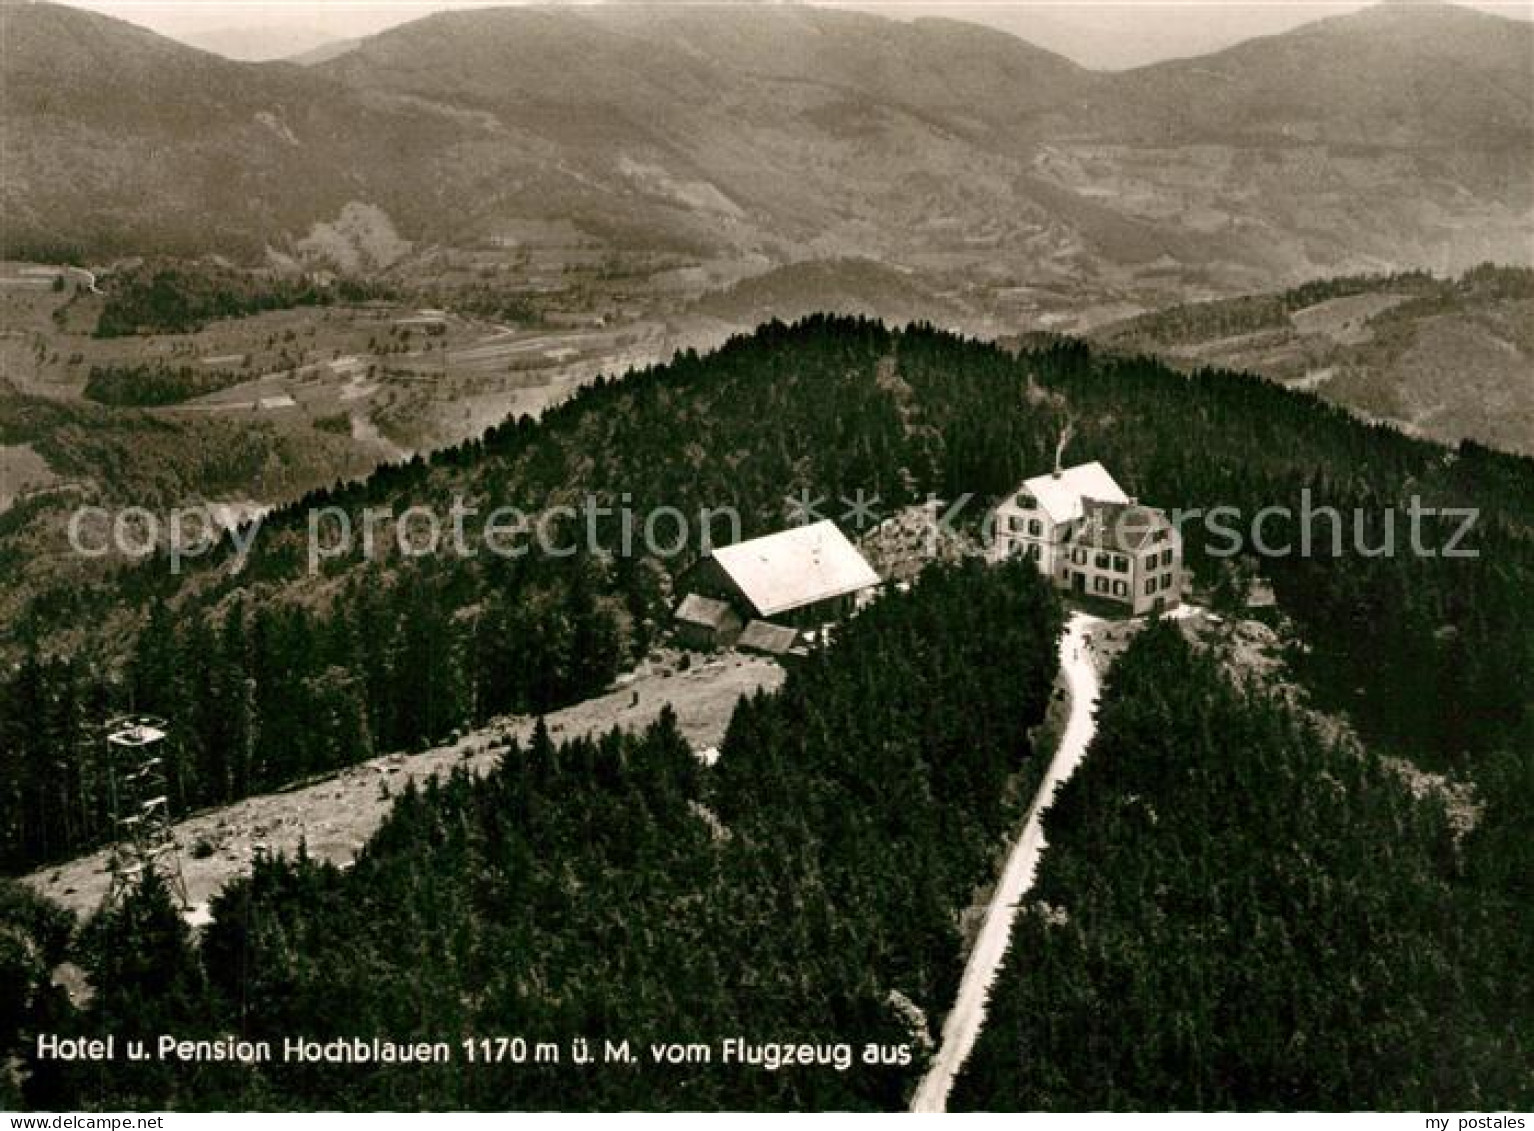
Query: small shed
771, 639
706, 623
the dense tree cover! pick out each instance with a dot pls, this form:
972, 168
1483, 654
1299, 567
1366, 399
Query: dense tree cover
1431, 655
123, 457
161, 297
34, 939
1236, 912
154, 383
56, 602
807, 887
490, 300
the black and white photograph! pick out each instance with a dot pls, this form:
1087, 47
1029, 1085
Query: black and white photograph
900, 556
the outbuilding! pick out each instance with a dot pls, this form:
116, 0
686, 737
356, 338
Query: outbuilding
705, 623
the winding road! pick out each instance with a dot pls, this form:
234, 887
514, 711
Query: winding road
962, 1026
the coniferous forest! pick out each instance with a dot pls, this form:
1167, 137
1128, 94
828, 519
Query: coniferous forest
806, 888
803, 879
273, 674
179, 297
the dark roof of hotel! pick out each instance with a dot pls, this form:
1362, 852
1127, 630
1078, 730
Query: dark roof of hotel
1124, 528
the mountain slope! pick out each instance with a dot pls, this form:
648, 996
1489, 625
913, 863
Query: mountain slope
120, 140
1360, 143
758, 124
1394, 137
277, 672
1448, 359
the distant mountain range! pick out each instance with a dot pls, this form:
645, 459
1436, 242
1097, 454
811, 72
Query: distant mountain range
1396, 137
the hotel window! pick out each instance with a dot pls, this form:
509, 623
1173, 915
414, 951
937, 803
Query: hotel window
1121, 588
1100, 584
1120, 563
1035, 527
1150, 586
1015, 524
1102, 561
1166, 557
1150, 561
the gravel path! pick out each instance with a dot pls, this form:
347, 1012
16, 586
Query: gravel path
963, 1023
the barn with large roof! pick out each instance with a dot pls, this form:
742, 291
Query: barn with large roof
802, 576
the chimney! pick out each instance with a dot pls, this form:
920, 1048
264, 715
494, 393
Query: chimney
1065, 438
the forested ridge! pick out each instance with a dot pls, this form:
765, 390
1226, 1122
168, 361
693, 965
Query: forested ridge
1421, 293
1249, 314
807, 887
1238, 913
271, 675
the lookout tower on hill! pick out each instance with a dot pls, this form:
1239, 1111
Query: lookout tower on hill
140, 798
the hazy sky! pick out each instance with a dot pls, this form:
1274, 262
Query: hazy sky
1104, 33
